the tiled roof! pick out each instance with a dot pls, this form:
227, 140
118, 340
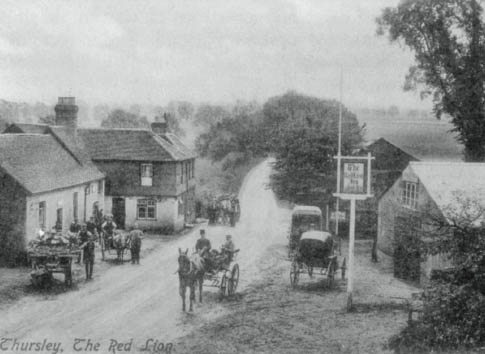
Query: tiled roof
26, 128
452, 184
40, 163
132, 145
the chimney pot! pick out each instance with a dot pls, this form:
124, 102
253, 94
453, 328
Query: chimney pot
66, 112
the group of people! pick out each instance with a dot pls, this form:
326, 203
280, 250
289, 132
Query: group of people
87, 233
213, 257
226, 212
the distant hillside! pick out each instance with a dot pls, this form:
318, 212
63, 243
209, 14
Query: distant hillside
422, 135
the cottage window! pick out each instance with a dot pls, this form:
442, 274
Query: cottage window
75, 205
146, 174
100, 187
410, 195
42, 215
94, 188
146, 209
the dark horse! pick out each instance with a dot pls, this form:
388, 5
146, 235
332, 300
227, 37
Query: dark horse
191, 270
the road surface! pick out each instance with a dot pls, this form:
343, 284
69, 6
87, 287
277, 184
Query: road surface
142, 302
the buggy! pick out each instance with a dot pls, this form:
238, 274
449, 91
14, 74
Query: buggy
314, 254
303, 218
222, 272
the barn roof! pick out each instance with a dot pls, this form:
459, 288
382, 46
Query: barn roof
454, 186
133, 145
441, 146
40, 163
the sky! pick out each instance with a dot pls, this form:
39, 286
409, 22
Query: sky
216, 51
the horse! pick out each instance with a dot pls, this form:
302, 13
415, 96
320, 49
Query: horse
120, 243
191, 270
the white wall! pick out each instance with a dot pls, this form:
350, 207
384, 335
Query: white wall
61, 199
166, 213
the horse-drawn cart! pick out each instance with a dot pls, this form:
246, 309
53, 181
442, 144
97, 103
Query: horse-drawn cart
315, 254
49, 259
116, 244
223, 273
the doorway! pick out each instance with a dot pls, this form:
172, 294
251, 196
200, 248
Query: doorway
119, 213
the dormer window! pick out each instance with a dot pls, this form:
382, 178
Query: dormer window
146, 174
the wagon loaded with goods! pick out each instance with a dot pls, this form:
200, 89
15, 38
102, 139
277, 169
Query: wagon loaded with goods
49, 256
314, 255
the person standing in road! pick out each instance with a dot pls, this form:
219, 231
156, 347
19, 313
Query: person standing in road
87, 246
135, 245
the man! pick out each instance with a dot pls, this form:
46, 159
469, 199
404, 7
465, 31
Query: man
135, 235
91, 227
203, 245
227, 250
87, 246
109, 227
75, 227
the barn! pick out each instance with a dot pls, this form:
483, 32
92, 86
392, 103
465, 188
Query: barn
426, 195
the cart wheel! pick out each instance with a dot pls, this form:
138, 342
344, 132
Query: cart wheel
223, 289
343, 268
234, 281
294, 274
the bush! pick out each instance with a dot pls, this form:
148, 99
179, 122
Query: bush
454, 316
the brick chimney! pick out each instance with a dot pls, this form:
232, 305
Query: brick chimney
160, 126
66, 112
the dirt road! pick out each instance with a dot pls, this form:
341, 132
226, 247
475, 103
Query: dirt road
142, 302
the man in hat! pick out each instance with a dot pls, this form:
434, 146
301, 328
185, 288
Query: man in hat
227, 251
203, 245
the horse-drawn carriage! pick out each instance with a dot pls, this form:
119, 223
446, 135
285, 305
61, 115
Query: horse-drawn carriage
114, 244
217, 268
314, 254
222, 272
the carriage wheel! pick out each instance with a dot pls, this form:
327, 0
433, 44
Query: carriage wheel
223, 285
343, 268
234, 281
294, 274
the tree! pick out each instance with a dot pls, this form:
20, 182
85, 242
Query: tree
122, 119
448, 41
302, 133
209, 114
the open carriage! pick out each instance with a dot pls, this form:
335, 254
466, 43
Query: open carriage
222, 272
115, 244
314, 255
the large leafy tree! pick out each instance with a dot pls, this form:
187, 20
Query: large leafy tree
302, 133
448, 41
